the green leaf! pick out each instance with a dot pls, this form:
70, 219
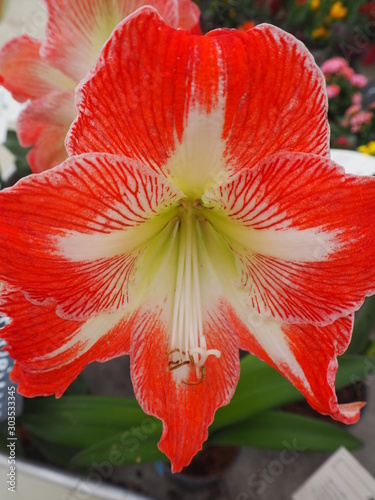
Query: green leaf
353, 369
80, 421
277, 429
133, 446
262, 388
61, 432
94, 421
363, 327
13, 145
87, 408
55, 453
78, 387
259, 388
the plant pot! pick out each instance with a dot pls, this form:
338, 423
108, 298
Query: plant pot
206, 468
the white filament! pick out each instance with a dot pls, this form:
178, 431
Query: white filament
187, 338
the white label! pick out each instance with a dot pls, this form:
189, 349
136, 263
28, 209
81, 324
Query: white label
341, 477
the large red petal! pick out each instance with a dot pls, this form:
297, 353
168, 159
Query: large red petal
25, 73
276, 98
73, 233
303, 234
242, 96
36, 332
44, 125
186, 410
306, 355
76, 31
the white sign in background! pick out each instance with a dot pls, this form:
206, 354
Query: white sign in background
341, 477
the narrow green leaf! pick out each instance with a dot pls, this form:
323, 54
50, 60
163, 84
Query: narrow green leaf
57, 454
60, 432
135, 445
80, 421
353, 369
13, 145
363, 327
262, 388
277, 429
86, 409
83, 421
371, 349
78, 387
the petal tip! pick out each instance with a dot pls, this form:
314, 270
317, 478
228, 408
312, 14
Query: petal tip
349, 413
187, 451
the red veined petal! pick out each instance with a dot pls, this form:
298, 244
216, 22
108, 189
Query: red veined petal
73, 233
76, 31
306, 355
49, 351
25, 73
186, 410
188, 16
44, 125
200, 107
276, 96
303, 235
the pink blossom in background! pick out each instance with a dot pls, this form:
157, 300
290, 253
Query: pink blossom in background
342, 141
357, 98
358, 80
334, 65
337, 65
347, 72
360, 119
350, 112
333, 90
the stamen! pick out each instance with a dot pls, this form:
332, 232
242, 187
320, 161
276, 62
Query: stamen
172, 351
204, 353
196, 382
187, 337
183, 363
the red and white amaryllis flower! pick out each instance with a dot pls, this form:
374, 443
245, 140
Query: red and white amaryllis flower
211, 220
46, 72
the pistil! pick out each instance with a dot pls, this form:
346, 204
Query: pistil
188, 344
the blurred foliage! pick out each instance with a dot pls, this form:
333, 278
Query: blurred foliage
351, 112
21, 164
79, 429
340, 27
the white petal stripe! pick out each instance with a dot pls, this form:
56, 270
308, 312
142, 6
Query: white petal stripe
84, 339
